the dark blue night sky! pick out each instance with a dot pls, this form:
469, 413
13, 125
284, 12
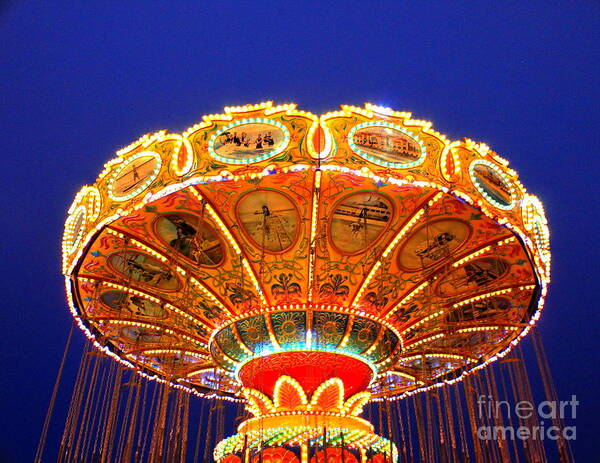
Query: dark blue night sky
81, 79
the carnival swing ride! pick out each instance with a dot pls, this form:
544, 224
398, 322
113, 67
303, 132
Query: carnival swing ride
306, 266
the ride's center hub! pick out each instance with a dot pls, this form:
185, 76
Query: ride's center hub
305, 376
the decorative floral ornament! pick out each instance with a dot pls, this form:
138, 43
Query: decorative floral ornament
289, 395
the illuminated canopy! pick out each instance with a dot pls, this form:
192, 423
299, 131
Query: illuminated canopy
363, 232
361, 251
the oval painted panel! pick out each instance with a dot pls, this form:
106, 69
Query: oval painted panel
386, 144
192, 237
144, 269
481, 310
479, 342
142, 334
135, 176
249, 140
432, 243
359, 220
473, 277
131, 304
269, 218
492, 184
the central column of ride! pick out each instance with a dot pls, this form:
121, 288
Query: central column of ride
305, 376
